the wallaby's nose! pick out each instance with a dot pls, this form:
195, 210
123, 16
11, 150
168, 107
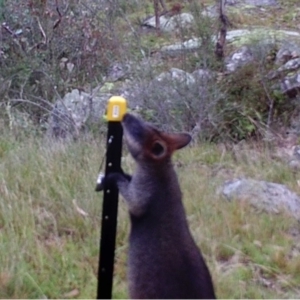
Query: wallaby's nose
129, 119
125, 117
133, 126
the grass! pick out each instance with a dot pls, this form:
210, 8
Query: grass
48, 249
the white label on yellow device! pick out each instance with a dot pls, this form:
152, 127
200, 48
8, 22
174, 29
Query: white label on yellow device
116, 111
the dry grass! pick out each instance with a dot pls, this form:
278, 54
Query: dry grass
49, 249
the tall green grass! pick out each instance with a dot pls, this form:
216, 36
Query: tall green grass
48, 249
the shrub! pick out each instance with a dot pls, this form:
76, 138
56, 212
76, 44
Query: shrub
50, 47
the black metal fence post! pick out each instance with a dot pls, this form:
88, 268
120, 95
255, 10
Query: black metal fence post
115, 112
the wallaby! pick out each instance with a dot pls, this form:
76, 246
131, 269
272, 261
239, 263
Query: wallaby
164, 261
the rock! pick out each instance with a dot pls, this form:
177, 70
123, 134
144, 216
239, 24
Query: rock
261, 2
266, 196
232, 2
71, 114
239, 58
203, 75
296, 152
288, 56
117, 71
177, 76
286, 52
289, 66
175, 49
233, 35
252, 2
211, 11
290, 85
150, 22
170, 24
179, 21
195, 43
294, 164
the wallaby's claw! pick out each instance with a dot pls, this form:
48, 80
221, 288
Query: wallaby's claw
100, 183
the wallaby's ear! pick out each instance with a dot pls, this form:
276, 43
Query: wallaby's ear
180, 140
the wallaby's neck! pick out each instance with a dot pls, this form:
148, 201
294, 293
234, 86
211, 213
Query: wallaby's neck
158, 184
159, 181
160, 170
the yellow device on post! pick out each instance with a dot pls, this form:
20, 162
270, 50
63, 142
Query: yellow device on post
116, 109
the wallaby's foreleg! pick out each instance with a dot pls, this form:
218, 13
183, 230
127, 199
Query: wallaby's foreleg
135, 198
122, 181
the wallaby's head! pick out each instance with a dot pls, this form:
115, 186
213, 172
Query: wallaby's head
147, 143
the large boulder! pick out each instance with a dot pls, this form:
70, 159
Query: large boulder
171, 23
239, 38
267, 196
287, 51
177, 76
212, 11
70, 114
252, 2
238, 59
261, 2
290, 85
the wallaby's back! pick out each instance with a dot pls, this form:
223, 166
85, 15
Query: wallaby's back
164, 261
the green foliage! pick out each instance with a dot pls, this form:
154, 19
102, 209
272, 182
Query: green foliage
251, 104
2, 5
49, 49
205, 29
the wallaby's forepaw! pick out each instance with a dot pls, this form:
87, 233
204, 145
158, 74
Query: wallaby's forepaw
113, 179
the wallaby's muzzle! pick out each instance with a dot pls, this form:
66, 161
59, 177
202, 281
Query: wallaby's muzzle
133, 126
135, 134
147, 142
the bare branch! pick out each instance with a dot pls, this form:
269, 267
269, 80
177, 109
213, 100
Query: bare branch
220, 45
156, 11
57, 22
163, 5
42, 30
14, 36
5, 26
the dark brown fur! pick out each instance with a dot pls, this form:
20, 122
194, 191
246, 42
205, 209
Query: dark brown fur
164, 261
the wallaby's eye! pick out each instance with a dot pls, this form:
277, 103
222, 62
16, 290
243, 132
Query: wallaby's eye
158, 149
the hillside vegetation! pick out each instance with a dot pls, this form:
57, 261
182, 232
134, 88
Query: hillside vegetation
50, 215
